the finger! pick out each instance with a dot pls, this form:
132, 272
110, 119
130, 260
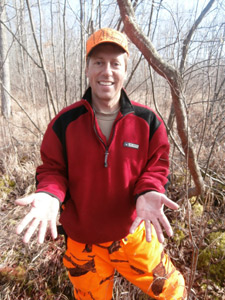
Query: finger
169, 203
166, 224
53, 228
30, 231
25, 201
135, 224
42, 231
148, 232
158, 230
26, 220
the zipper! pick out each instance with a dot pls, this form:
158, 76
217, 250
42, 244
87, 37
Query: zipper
101, 140
104, 145
106, 158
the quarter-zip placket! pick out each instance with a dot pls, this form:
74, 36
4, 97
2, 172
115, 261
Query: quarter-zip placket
106, 158
103, 143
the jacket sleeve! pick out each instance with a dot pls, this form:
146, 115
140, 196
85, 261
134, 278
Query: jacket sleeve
154, 176
51, 176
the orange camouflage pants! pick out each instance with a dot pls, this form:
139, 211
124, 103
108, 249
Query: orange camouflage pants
91, 268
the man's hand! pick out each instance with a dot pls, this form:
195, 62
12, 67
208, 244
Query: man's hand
42, 214
149, 208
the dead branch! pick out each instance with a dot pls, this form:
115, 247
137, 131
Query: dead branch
41, 58
174, 79
21, 45
21, 107
191, 32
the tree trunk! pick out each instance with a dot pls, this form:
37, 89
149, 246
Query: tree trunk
175, 81
4, 64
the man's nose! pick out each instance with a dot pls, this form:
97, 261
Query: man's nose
107, 69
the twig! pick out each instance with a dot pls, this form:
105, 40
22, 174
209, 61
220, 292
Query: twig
18, 103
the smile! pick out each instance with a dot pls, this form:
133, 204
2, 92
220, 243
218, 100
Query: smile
105, 83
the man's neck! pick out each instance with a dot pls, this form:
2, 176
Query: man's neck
106, 107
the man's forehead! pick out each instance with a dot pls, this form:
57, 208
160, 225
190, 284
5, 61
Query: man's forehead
107, 48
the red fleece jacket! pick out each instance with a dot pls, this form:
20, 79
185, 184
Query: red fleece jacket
99, 181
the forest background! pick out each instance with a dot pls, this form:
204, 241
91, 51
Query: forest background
176, 66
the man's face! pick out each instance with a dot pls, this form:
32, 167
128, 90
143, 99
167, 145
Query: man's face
106, 71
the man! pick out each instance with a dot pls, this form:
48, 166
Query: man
106, 159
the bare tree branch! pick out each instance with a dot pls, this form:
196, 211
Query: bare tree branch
21, 107
41, 58
191, 32
23, 47
174, 79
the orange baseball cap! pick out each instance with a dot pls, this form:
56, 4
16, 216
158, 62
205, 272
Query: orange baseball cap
107, 35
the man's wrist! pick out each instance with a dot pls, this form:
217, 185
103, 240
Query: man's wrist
50, 194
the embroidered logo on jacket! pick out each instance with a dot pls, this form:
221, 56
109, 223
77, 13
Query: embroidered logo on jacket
131, 145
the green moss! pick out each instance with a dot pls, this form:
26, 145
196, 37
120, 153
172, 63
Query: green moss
16, 274
204, 286
210, 222
11, 183
178, 236
197, 209
178, 232
49, 292
7, 185
212, 258
193, 200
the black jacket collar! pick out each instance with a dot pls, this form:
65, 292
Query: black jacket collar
126, 106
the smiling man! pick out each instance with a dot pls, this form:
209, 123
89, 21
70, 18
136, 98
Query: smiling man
106, 71
105, 159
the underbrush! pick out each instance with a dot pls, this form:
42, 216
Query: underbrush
35, 272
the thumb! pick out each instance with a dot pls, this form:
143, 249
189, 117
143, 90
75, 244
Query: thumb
25, 201
169, 203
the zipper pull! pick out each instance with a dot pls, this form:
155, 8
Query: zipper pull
106, 158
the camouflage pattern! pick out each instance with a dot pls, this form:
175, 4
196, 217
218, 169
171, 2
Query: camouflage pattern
91, 268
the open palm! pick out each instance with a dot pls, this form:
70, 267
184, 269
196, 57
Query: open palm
43, 214
149, 208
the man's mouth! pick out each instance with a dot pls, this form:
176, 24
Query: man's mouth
108, 83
